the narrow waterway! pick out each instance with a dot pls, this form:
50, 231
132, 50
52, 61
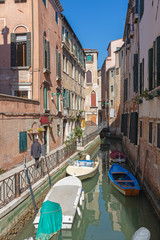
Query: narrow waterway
106, 213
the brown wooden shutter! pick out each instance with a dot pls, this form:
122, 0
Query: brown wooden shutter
93, 99
89, 77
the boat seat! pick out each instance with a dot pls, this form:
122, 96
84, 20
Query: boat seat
119, 173
124, 181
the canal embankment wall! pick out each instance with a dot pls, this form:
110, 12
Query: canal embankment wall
141, 167
15, 212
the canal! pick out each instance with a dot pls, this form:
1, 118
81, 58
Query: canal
106, 213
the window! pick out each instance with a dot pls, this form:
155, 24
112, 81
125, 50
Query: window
117, 71
63, 33
58, 130
44, 1
89, 77
23, 94
22, 142
125, 89
133, 132
141, 8
72, 71
135, 72
58, 64
111, 102
71, 45
111, 88
66, 65
150, 132
112, 73
45, 98
58, 102
93, 99
56, 17
140, 129
46, 54
158, 135
2, 1
66, 35
89, 58
19, 1
150, 68
21, 50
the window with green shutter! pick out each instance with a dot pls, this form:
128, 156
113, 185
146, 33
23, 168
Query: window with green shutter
150, 68
141, 10
133, 127
45, 97
22, 142
44, 1
150, 132
135, 72
46, 55
64, 98
56, 17
157, 61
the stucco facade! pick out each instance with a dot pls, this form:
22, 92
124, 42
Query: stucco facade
28, 46
73, 80
111, 86
140, 120
92, 87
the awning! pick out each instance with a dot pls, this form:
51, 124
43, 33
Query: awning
44, 120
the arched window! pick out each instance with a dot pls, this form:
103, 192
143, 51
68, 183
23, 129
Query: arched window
93, 99
89, 77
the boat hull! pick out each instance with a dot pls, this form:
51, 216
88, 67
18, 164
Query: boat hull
82, 172
67, 192
126, 192
123, 180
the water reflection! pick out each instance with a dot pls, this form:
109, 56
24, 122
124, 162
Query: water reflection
106, 213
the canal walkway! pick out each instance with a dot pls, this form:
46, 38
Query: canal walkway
15, 200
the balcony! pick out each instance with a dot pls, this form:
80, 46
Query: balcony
128, 44
66, 44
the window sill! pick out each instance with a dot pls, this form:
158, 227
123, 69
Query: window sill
93, 107
89, 84
45, 70
21, 68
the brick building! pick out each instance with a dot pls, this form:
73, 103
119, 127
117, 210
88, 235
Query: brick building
73, 80
30, 81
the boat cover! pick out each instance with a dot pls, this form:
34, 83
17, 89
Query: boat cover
117, 154
50, 220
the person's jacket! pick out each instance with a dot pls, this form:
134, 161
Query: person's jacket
36, 150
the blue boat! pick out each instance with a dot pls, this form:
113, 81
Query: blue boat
123, 180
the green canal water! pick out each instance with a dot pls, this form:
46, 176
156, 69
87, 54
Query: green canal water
106, 213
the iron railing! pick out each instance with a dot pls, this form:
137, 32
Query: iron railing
12, 186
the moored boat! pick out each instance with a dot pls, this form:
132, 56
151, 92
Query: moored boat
83, 169
142, 234
67, 192
118, 157
123, 180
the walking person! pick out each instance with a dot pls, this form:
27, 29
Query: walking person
36, 151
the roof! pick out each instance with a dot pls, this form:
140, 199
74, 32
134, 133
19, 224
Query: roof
73, 33
113, 41
59, 6
87, 50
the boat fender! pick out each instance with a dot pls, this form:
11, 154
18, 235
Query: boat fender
82, 194
79, 211
80, 201
142, 234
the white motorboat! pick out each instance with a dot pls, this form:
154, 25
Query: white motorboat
83, 169
67, 193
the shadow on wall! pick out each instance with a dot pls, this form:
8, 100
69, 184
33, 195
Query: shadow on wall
8, 77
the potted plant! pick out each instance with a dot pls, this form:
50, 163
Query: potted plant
147, 95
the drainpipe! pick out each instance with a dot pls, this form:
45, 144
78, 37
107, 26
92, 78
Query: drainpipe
115, 90
32, 48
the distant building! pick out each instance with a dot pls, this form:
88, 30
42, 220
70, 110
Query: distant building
92, 88
111, 86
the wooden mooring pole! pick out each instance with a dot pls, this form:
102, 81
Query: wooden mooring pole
30, 187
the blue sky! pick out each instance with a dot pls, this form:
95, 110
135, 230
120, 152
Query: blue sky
96, 22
